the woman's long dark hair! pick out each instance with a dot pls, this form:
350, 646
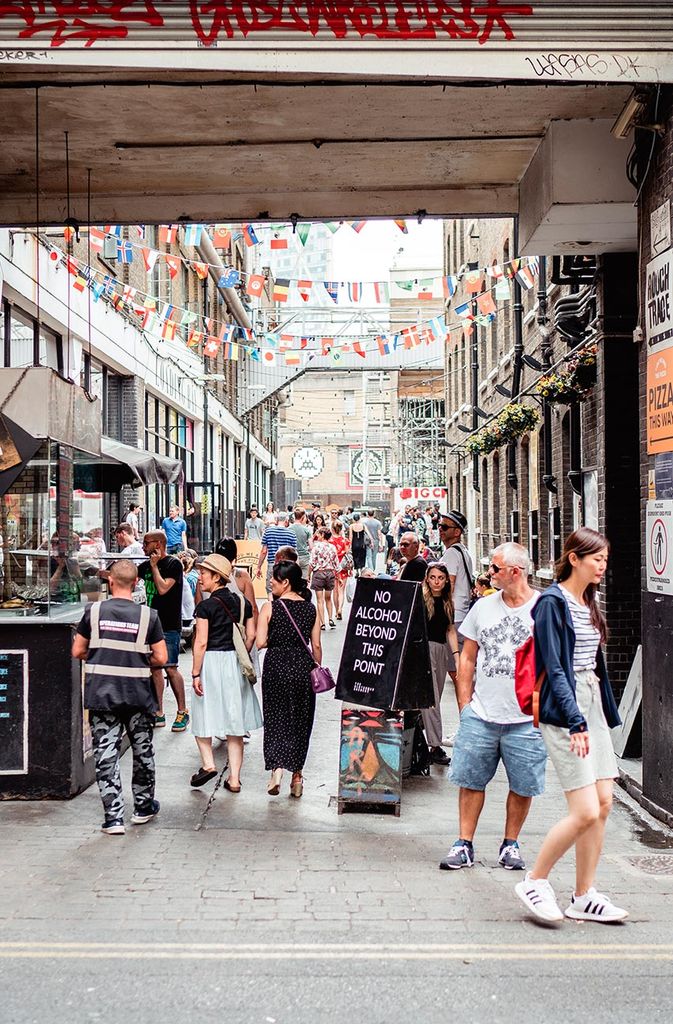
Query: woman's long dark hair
584, 542
446, 594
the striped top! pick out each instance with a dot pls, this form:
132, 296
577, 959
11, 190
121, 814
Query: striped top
587, 637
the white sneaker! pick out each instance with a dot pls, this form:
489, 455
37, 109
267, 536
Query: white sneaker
593, 906
538, 896
448, 741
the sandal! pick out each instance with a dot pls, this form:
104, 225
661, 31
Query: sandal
339, 616
323, 626
202, 776
332, 624
232, 789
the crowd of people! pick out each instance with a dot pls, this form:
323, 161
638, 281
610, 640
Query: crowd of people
476, 626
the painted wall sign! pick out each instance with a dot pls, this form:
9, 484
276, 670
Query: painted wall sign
14, 712
660, 401
370, 464
658, 303
659, 546
370, 759
660, 228
522, 40
308, 463
422, 496
386, 661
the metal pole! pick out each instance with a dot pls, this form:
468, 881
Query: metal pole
517, 312
205, 519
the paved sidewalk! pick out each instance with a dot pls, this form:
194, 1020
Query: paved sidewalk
299, 881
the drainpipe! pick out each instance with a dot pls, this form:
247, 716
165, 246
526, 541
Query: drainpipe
517, 311
474, 381
548, 479
231, 297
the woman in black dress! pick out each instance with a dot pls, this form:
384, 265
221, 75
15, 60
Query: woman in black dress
358, 540
289, 700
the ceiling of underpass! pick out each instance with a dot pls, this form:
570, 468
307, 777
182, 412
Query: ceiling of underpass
189, 144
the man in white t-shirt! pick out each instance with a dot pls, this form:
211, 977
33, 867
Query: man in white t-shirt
492, 726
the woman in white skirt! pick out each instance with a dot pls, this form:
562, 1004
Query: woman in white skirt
577, 710
224, 702
443, 644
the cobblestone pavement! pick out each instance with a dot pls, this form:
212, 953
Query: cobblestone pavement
286, 911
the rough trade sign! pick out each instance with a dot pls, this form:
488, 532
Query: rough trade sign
658, 304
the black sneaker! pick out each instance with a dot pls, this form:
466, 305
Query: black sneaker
113, 828
140, 817
461, 855
439, 756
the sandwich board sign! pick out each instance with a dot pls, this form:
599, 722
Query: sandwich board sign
386, 659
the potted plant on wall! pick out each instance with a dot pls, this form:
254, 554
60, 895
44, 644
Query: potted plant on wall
512, 422
573, 384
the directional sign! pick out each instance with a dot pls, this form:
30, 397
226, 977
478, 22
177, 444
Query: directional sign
659, 547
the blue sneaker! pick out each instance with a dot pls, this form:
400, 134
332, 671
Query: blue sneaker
461, 855
113, 828
140, 817
510, 857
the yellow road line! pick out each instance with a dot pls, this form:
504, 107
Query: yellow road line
334, 952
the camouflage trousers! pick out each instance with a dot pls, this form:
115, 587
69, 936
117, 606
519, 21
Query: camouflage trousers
107, 730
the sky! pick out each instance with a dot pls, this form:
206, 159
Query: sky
369, 254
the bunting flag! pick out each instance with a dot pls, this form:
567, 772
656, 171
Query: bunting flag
382, 292
326, 345
193, 234
512, 267
303, 231
194, 338
269, 356
281, 290
449, 285
96, 239
335, 356
173, 264
359, 350
80, 283
150, 257
355, 291
525, 278
333, 227
402, 225
255, 285
494, 271
502, 290
357, 225
221, 236
279, 243
97, 289
168, 330
249, 236
128, 293
464, 311
124, 252
332, 289
168, 234
485, 303
383, 343
473, 281
113, 229
292, 358
304, 288
188, 318
247, 333
212, 346
406, 286
425, 289
200, 269
271, 339
230, 351
230, 278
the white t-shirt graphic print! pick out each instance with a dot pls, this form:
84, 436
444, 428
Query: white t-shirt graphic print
500, 631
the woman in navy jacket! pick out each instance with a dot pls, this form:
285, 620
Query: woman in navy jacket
577, 711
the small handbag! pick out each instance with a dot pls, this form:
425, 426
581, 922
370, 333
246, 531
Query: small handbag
242, 653
322, 680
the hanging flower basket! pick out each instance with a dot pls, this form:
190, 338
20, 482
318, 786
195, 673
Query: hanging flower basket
574, 384
513, 422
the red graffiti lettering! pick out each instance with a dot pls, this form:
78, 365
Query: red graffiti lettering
84, 20
400, 20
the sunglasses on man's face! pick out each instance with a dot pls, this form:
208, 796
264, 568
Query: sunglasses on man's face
493, 568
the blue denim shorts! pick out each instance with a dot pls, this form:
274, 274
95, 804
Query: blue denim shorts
479, 747
172, 638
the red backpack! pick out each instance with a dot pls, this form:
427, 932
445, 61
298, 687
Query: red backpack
526, 683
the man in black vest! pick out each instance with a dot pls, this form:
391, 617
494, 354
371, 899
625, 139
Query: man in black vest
121, 642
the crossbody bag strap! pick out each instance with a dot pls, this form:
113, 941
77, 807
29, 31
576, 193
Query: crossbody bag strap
464, 559
228, 611
536, 697
299, 632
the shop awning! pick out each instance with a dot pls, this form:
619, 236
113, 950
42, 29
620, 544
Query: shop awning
148, 467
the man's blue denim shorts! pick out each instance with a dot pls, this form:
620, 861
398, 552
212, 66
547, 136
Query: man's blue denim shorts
172, 638
479, 747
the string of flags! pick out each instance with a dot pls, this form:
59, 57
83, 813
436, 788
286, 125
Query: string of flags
172, 323
524, 269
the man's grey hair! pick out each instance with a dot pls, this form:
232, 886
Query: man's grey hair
282, 517
411, 537
514, 554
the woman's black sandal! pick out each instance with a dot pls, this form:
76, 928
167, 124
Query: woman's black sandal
202, 776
